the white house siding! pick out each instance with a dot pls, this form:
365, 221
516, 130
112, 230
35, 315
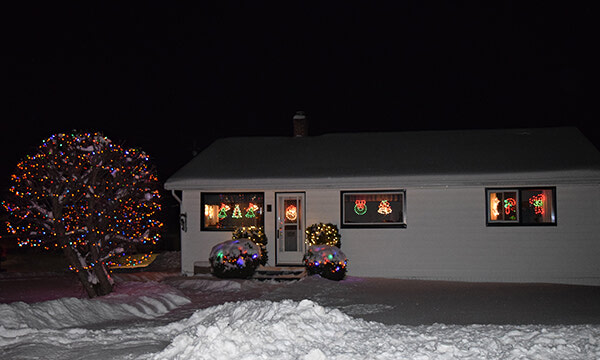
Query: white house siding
446, 237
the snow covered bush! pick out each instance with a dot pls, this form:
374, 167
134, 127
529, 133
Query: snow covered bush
323, 234
326, 260
255, 234
237, 258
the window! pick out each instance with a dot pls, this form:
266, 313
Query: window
373, 209
521, 206
227, 211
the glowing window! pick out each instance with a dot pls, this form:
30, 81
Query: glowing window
521, 206
228, 211
373, 209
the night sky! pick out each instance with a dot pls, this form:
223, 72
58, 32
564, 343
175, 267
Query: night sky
170, 78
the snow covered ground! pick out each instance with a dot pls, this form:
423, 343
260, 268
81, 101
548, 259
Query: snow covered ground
156, 315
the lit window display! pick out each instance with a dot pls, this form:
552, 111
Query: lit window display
228, 211
373, 209
521, 206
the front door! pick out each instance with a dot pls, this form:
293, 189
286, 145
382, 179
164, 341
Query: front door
290, 228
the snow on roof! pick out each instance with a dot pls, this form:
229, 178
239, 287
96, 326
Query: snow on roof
343, 157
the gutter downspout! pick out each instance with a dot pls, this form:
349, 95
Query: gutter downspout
176, 197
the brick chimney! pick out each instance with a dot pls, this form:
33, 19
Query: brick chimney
300, 124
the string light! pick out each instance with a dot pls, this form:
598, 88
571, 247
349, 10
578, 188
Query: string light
384, 207
509, 205
327, 261
255, 234
360, 207
81, 191
322, 234
537, 201
223, 211
237, 212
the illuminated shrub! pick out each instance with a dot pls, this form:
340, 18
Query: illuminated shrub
323, 234
255, 234
327, 261
237, 258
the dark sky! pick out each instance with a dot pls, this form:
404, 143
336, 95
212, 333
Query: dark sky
167, 77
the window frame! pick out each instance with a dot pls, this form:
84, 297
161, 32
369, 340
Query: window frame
228, 229
520, 217
381, 225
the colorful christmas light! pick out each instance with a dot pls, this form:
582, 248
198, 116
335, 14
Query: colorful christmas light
509, 205
223, 211
257, 235
237, 212
251, 211
360, 207
384, 207
537, 201
83, 194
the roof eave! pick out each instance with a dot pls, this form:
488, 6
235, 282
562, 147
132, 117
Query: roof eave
433, 180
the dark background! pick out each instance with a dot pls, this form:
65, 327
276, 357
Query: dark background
171, 78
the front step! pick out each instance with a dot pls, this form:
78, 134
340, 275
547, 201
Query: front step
279, 273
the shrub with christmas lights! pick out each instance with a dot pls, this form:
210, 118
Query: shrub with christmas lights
324, 256
234, 258
326, 260
91, 199
256, 234
323, 234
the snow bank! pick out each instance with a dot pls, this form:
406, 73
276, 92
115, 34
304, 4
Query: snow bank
135, 322
130, 300
197, 285
304, 330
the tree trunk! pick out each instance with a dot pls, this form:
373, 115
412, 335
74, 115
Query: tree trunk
105, 285
80, 271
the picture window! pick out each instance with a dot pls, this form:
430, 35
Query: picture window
228, 211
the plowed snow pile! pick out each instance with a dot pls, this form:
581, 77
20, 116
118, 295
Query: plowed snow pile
174, 320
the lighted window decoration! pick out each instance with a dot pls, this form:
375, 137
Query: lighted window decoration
537, 201
384, 208
509, 205
228, 211
503, 206
237, 212
222, 212
291, 213
251, 210
389, 208
521, 206
360, 207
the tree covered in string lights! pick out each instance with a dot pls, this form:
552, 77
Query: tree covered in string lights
87, 196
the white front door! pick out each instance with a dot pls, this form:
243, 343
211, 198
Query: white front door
290, 228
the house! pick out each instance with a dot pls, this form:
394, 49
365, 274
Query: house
507, 205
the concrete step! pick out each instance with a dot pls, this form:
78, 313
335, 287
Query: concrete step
279, 272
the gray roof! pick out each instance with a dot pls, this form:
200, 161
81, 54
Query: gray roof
413, 156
